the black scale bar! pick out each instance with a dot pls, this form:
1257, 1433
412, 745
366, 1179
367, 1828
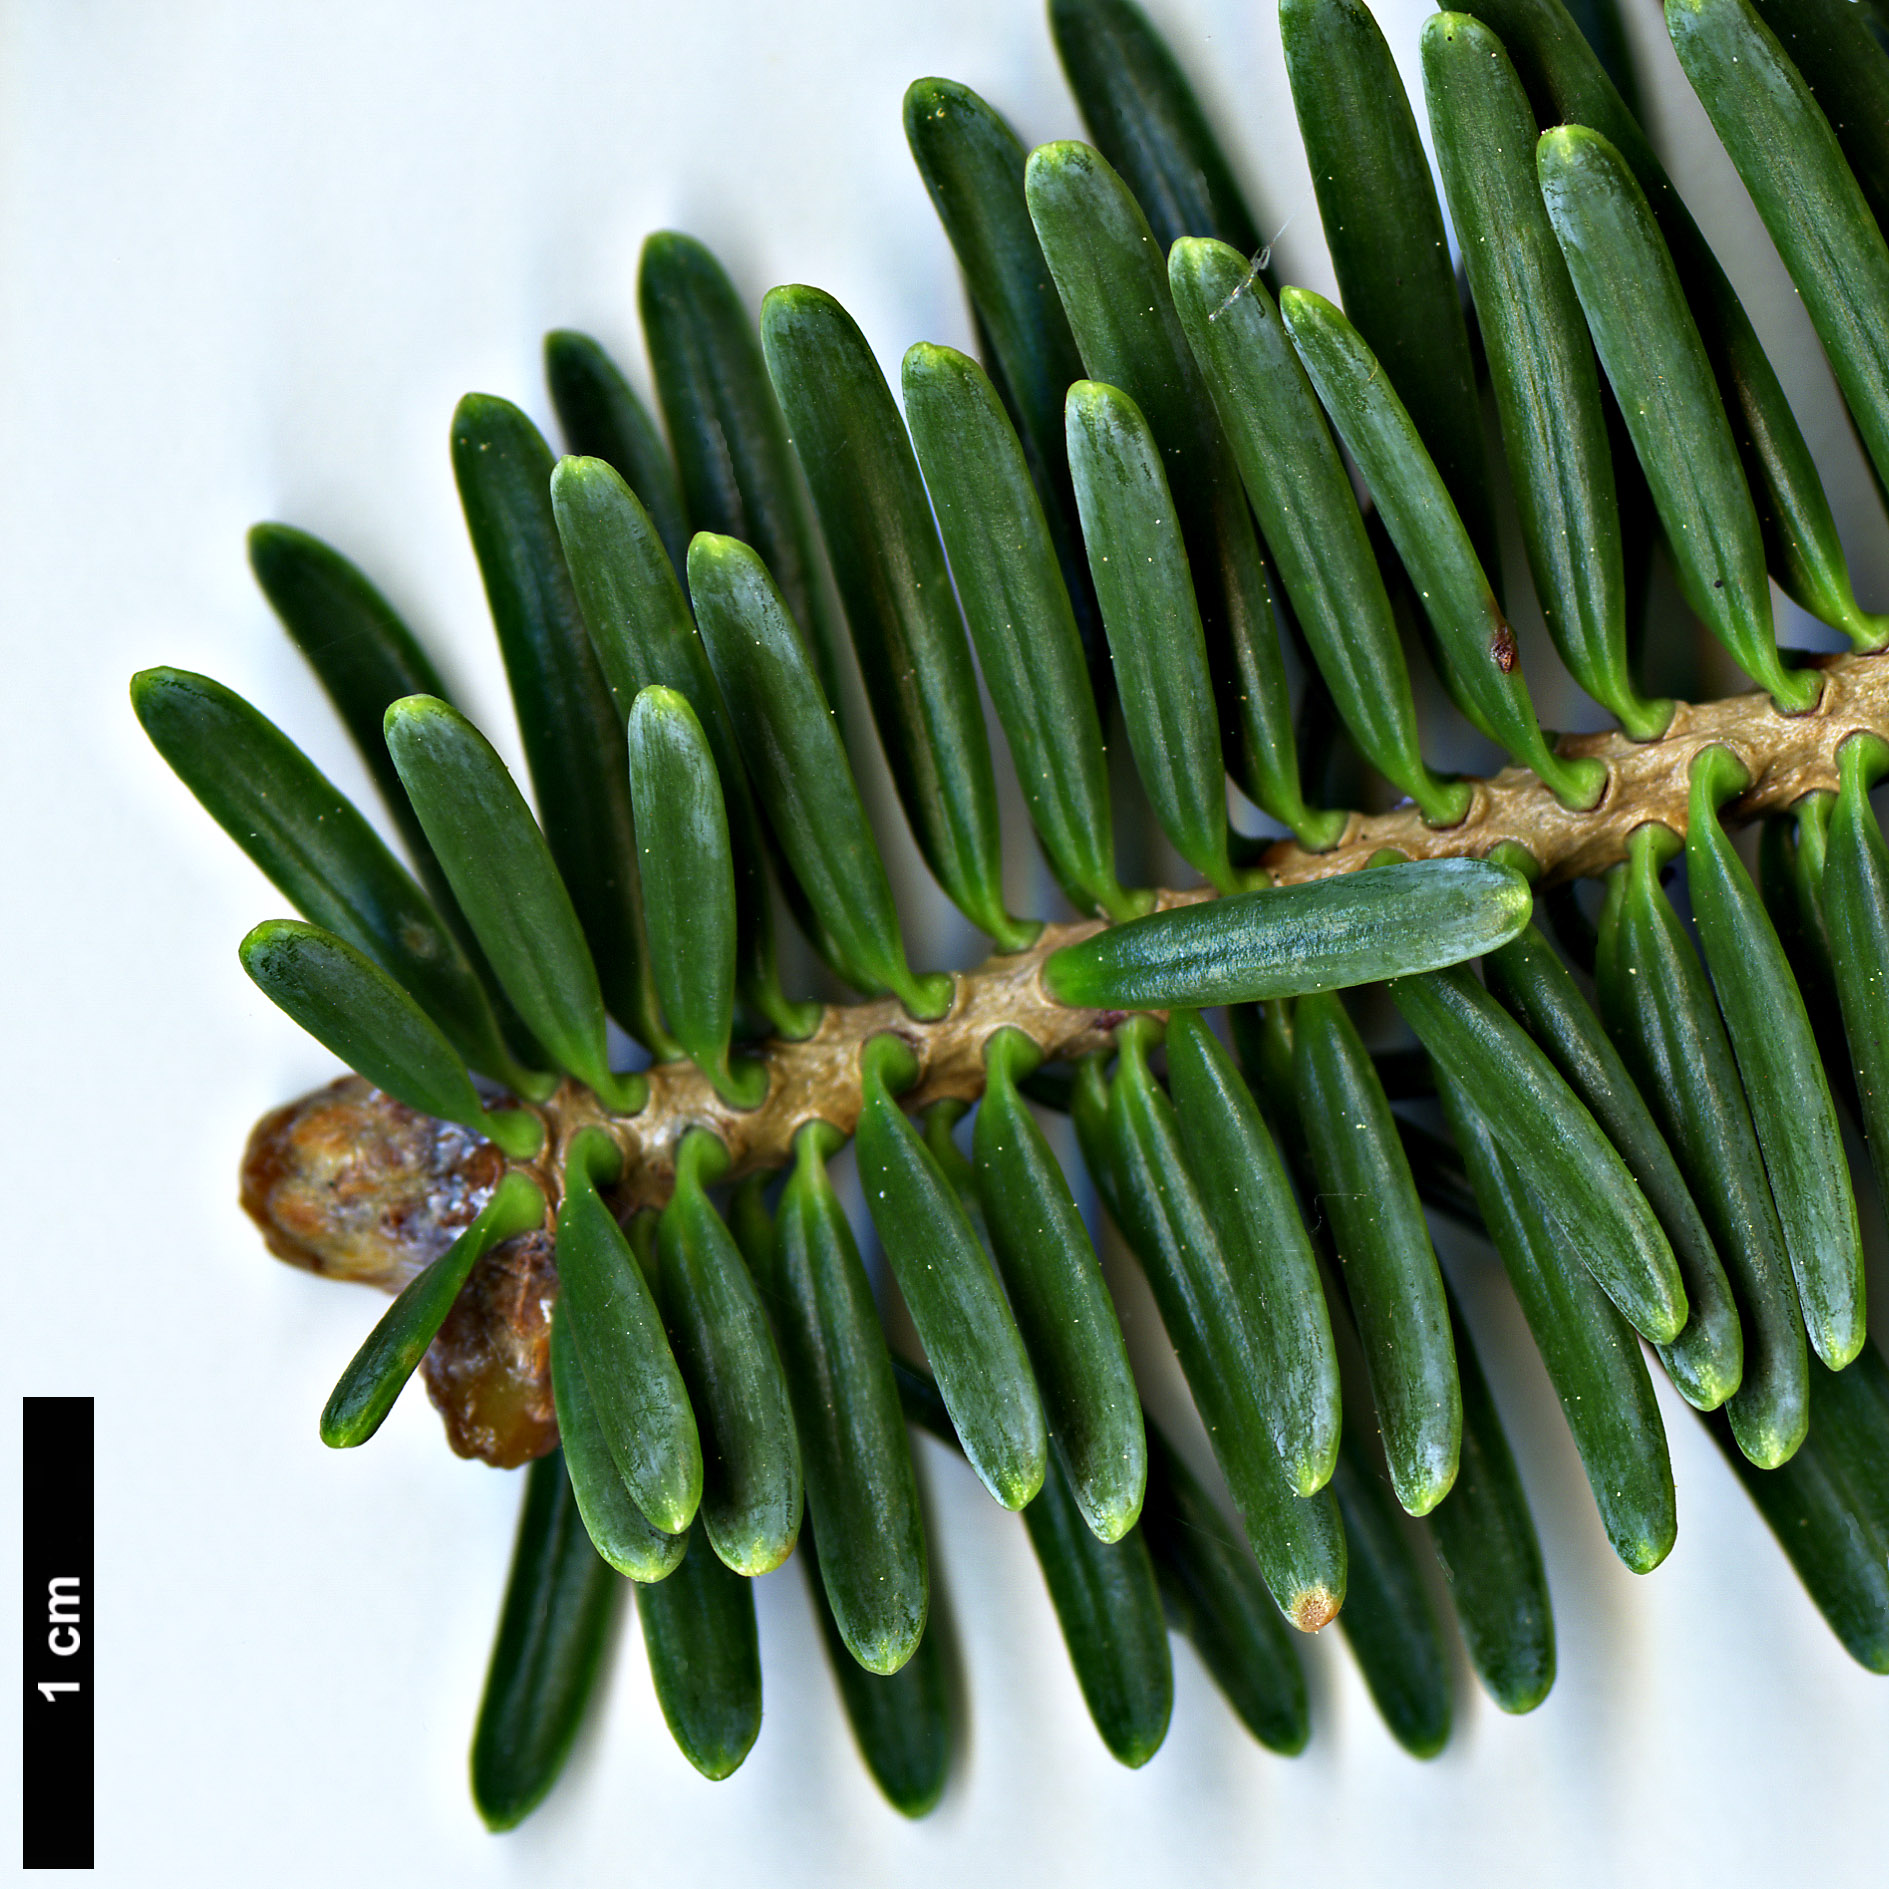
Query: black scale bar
56, 1630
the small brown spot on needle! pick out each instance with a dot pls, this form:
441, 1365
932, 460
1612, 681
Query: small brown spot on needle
1314, 1608
1502, 648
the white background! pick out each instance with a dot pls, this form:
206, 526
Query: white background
249, 257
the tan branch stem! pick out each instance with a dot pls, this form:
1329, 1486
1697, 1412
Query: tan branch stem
1787, 757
